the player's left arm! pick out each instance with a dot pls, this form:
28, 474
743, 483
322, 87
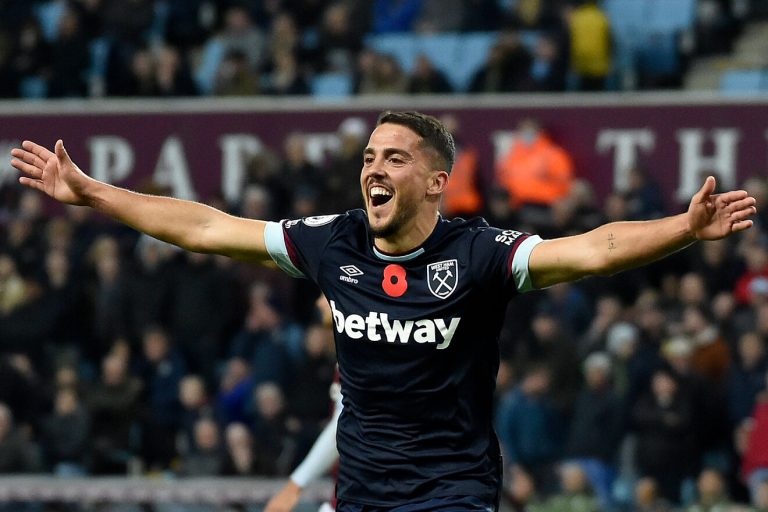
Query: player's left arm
619, 246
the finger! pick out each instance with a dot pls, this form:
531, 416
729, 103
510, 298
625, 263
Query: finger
741, 225
705, 191
37, 149
32, 183
731, 196
28, 157
32, 170
743, 214
61, 153
741, 204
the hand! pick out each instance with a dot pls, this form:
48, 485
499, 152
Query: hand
52, 173
286, 499
714, 216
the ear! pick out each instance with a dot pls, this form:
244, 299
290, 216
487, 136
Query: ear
437, 183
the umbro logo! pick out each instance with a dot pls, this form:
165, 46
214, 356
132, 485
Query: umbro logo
351, 272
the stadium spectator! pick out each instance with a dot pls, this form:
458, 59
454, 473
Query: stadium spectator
591, 46
662, 421
206, 457
596, 429
31, 59
343, 167
754, 280
267, 341
644, 195
716, 262
506, 69
297, 173
384, 75
70, 58
196, 328
575, 493
520, 491
463, 197
172, 73
240, 33
550, 345
549, 66
746, 376
106, 296
161, 370
712, 494
114, 407
241, 458
647, 498
307, 391
711, 354
148, 286
339, 40
66, 434
426, 78
273, 432
193, 397
531, 428
536, 171
17, 453
234, 396
235, 77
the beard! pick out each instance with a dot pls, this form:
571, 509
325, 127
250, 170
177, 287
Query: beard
400, 217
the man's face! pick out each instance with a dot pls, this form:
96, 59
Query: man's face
395, 178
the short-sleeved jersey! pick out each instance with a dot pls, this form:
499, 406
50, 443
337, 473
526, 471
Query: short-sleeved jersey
416, 338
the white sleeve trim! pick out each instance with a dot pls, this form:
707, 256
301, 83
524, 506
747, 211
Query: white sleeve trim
520, 271
322, 456
275, 242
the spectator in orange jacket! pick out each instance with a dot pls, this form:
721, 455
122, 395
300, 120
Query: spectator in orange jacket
535, 170
462, 198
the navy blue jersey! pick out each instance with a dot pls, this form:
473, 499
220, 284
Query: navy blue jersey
416, 340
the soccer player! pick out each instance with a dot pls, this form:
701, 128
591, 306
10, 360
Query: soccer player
417, 300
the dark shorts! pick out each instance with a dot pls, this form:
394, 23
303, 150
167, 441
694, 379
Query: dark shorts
449, 504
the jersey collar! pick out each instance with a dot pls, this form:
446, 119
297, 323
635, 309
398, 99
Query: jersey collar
414, 253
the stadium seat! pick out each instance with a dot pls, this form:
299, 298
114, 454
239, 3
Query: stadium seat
331, 85
745, 81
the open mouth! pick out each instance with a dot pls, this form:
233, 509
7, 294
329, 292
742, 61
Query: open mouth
379, 196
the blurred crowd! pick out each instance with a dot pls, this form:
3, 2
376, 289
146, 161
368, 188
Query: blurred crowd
120, 354
168, 48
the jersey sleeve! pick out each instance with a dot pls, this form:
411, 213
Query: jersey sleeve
297, 246
500, 259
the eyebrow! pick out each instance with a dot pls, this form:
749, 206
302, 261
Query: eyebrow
389, 151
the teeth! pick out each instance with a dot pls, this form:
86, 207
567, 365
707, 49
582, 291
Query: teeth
380, 191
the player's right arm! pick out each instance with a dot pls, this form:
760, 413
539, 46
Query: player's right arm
192, 226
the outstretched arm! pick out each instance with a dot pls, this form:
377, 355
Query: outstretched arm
619, 246
192, 226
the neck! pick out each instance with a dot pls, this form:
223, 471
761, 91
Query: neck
409, 237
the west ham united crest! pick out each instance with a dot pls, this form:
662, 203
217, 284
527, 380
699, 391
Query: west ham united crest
442, 278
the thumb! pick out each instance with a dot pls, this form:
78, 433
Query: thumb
706, 190
61, 153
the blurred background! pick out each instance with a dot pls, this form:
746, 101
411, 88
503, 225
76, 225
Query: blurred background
138, 377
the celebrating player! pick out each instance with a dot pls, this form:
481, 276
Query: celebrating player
417, 300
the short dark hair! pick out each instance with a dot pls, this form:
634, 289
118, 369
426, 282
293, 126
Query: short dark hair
433, 133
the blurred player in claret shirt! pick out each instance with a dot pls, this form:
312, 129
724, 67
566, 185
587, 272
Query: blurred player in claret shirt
417, 300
